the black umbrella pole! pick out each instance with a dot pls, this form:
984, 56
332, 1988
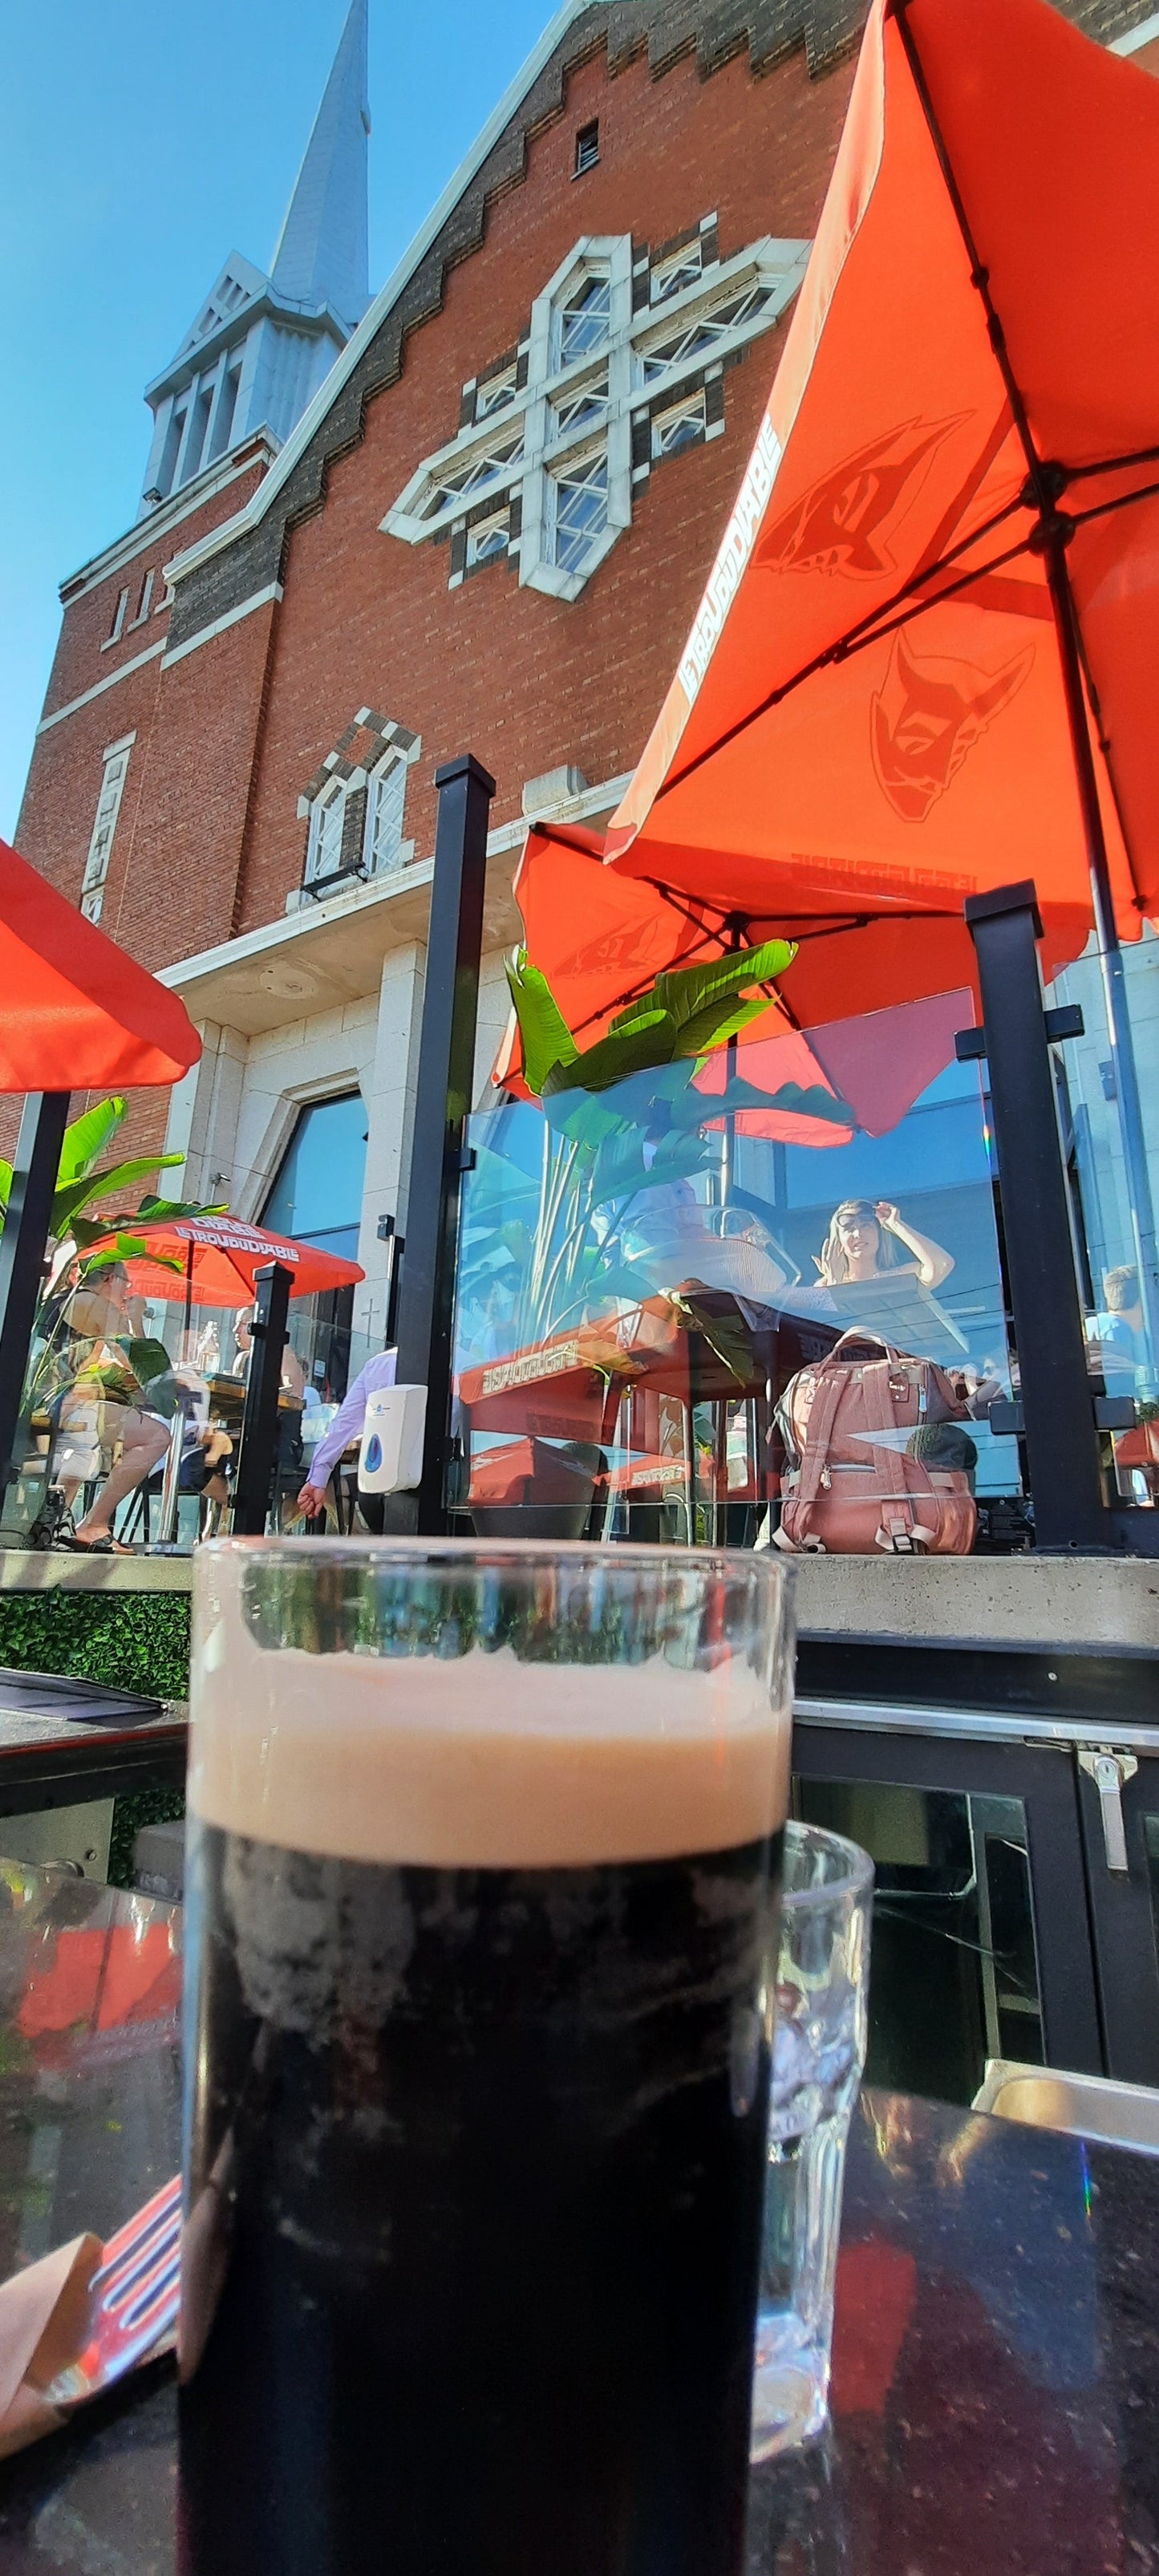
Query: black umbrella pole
22, 1248
259, 1431
1124, 1068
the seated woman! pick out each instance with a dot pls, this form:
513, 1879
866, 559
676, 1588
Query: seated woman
105, 1409
867, 1238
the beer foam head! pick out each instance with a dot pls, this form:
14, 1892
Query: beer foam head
479, 1759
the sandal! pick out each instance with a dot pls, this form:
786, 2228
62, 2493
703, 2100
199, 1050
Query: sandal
107, 1546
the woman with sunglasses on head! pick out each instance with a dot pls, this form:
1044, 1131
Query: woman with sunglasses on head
868, 1237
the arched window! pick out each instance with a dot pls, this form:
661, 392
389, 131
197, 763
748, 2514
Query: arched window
354, 806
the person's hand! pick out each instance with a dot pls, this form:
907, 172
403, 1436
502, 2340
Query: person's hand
312, 1501
886, 1211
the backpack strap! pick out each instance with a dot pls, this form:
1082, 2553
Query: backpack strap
814, 1468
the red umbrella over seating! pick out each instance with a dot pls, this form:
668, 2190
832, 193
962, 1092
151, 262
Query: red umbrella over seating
79, 1014
220, 1258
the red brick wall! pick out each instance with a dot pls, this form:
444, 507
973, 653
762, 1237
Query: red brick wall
523, 680
64, 779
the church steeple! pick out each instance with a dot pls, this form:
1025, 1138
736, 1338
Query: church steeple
260, 346
321, 254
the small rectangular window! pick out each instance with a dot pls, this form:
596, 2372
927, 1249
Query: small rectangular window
117, 628
683, 425
496, 393
92, 894
487, 540
384, 808
586, 408
579, 512
586, 317
683, 268
587, 147
145, 601
324, 842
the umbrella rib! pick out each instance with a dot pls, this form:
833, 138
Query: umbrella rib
1118, 501
1113, 465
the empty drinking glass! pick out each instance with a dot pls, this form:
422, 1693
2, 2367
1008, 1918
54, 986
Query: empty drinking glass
818, 2055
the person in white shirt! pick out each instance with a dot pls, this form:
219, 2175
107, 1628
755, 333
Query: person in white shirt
346, 1426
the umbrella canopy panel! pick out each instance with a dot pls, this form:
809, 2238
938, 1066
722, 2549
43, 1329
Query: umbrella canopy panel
78, 1015
219, 1260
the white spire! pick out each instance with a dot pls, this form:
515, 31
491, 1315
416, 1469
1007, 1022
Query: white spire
321, 254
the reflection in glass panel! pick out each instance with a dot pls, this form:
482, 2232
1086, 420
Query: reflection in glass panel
954, 1976
1113, 1170
317, 1194
657, 1273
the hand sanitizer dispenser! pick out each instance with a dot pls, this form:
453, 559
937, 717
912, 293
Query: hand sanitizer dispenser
390, 1459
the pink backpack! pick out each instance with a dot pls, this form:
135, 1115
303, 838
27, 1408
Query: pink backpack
866, 1465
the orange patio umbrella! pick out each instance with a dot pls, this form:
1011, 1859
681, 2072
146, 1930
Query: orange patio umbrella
79, 1014
220, 1258
923, 662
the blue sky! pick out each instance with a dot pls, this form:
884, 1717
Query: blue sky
140, 146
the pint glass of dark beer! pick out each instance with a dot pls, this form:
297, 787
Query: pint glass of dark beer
482, 1888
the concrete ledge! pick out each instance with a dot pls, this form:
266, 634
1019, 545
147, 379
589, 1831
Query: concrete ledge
1073, 1603
26, 1569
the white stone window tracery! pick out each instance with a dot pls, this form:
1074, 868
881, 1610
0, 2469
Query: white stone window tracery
543, 468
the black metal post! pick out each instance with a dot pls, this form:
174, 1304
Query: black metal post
1057, 1406
22, 1243
259, 1430
442, 1104
396, 1246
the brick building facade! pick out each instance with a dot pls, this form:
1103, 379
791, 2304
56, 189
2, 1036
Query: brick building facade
488, 532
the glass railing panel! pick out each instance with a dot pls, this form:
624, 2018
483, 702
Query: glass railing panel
110, 1373
648, 1275
954, 1974
1107, 1082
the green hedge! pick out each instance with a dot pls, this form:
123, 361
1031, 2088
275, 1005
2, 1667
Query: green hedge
136, 1641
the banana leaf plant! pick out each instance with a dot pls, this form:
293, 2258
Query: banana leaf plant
621, 1120
83, 1177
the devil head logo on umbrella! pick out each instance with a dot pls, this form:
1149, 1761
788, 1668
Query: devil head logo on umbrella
928, 715
846, 521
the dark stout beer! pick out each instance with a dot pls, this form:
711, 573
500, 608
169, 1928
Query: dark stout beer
478, 2128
